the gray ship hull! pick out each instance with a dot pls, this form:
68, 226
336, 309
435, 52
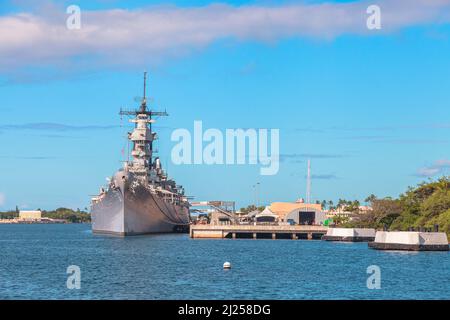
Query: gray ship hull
126, 212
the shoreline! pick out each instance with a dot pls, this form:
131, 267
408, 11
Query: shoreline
50, 221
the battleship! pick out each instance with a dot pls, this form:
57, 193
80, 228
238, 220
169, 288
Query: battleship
140, 198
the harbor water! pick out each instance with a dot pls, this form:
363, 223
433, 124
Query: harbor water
34, 260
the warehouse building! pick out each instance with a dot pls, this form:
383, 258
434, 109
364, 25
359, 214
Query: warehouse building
299, 213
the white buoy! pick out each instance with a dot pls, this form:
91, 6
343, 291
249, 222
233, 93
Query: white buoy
227, 265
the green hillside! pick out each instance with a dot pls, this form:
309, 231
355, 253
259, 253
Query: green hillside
425, 205
74, 216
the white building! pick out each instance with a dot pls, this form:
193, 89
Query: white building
30, 215
341, 212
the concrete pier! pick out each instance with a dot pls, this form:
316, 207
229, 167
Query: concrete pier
410, 241
350, 235
257, 232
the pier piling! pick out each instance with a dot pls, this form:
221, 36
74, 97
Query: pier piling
273, 232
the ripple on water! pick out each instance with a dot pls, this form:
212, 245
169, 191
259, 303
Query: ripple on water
34, 259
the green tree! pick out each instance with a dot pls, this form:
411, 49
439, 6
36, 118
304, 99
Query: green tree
330, 205
370, 199
425, 205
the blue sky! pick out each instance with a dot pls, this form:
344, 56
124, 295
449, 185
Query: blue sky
371, 110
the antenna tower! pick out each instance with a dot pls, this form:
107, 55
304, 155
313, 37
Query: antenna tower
308, 183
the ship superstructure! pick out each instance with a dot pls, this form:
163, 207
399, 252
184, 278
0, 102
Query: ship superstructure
140, 198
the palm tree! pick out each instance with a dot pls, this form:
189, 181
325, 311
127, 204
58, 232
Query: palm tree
330, 204
341, 203
371, 198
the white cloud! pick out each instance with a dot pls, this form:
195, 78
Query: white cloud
439, 167
125, 37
